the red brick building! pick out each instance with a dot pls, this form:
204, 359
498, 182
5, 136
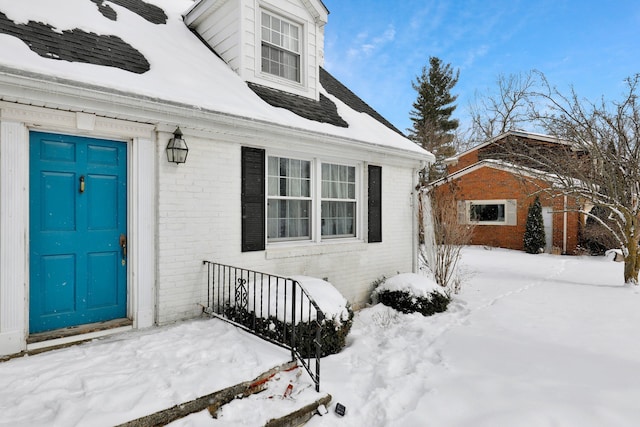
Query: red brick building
494, 194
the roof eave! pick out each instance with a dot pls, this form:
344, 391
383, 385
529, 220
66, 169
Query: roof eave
30, 88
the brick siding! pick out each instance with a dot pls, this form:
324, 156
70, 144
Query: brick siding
487, 183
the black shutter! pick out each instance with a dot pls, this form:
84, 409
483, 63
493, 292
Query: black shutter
253, 199
375, 204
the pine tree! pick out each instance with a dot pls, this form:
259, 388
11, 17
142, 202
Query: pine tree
534, 238
433, 128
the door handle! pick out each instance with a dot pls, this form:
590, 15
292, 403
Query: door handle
81, 189
123, 245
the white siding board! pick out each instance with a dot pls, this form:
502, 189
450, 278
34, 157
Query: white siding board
221, 32
14, 167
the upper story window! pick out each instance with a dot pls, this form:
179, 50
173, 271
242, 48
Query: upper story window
280, 47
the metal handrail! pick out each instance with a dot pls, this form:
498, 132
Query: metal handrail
275, 308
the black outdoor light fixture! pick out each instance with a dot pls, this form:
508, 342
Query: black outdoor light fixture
177, 149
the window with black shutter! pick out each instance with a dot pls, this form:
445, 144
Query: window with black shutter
375, 204
253, 199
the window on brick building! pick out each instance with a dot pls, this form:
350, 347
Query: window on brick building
488, 212
491, 212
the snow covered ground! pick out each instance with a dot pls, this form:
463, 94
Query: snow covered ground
532, 340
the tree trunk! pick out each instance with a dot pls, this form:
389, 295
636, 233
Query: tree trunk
631, 265
632, 257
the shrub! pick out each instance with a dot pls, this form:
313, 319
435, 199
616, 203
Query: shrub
332, 339
411, 293
405, 302
595, 237
534, 238
265, 310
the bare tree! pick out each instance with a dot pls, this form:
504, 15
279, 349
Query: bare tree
601, 164
495, 113
444, 235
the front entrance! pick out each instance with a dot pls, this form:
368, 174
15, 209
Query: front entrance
78, 231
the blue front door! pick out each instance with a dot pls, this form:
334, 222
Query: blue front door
78, 229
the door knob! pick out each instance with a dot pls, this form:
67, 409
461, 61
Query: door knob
123, 245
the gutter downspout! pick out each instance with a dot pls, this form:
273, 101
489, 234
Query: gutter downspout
415, 228
564, 227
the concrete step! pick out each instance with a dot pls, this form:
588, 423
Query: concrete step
298, 400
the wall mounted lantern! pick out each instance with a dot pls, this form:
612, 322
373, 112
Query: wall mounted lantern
177, 149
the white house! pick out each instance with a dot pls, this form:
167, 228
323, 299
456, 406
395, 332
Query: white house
287, 171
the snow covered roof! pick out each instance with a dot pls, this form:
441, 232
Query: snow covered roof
495, 164
513, 132
142, 49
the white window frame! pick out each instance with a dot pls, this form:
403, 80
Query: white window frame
294, 185
316, 201
334, 198
287, 50
510, 211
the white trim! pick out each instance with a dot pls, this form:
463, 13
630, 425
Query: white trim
142, 234
14, 229
104, 102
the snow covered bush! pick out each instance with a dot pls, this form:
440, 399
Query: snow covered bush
412, 293
534, 238
336, 324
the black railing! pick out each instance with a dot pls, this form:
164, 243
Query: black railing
277, 309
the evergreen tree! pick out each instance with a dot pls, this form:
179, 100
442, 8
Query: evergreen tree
534, 238
433, 128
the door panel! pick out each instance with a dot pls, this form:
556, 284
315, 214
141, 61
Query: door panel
59, 284
78, 212
101, 276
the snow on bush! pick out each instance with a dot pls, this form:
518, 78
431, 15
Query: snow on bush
328, 298
271, 296
409, 293
416, 284
265, 304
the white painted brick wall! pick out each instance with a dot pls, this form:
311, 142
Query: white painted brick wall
200, 218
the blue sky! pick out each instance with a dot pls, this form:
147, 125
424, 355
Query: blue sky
378, 47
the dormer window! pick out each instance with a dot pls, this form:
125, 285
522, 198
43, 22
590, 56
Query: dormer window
280, 47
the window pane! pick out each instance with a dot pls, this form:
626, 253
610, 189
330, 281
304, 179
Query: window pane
338, 181
288, 219
352, 191
338, 219
487, 212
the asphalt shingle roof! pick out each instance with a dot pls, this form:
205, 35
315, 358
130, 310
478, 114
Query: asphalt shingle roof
324, 111
150, 12
77, 45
